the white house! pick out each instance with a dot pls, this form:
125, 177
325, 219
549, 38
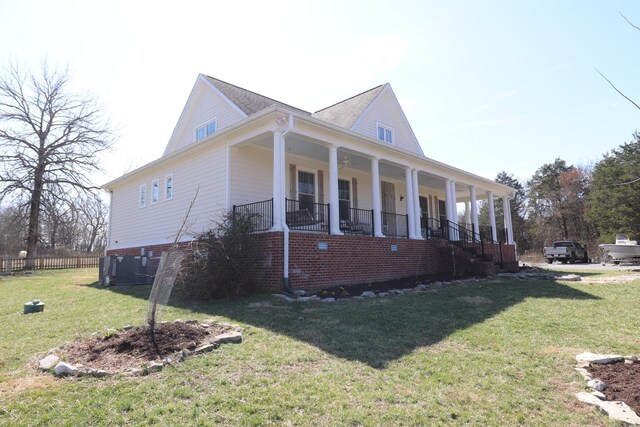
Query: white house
352, 173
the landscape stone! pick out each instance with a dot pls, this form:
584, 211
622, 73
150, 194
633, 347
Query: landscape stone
616, 410
48, 362
600, 359
328, 300
600, 395
421, 287
368, 294
570, 278
585, 374
233, 337
304, 299
154, 367
597, 385
383, 294
204, 349
300, 292
63, 368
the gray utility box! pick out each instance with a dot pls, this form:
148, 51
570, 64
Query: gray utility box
128, 270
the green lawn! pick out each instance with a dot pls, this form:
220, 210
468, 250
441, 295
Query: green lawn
498, 353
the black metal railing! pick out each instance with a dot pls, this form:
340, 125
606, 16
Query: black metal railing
395, 225
307, 216
432, 228
354, 221
261, 213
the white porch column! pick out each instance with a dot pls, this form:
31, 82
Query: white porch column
278, 211
467, 215
506, 208
416, 203
376, 198
334, 205
454, 209
492, 216
411, 213
474, 211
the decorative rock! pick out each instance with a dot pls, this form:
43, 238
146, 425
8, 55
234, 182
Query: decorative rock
284, 297
328, 300
597, 385
616, 410
600, 359
48, 362
421, 287
397, 291
583, 364
191, 322
204, 349
384, 294
300, 292
630, 359
585, 374
599, 395
304, 299
570, 278
65, 369
128, 327
358, 297
233, 337
154, 367
368, 294
209, 321
437, 284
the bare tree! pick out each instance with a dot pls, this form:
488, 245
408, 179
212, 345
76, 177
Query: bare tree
50, 138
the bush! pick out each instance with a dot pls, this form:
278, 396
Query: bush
222, 261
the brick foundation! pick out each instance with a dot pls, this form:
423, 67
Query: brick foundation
346, 259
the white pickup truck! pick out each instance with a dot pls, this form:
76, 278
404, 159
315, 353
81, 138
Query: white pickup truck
566, 251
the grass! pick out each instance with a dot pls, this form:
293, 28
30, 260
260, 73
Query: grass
497, 353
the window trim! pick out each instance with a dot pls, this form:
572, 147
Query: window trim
386, 128
155, 198
204, 126
166, 178
142, 202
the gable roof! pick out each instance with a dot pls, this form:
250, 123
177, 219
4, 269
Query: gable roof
248, 102
346, 113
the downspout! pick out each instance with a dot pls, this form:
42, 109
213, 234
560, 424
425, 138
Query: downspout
106, 247
285, 268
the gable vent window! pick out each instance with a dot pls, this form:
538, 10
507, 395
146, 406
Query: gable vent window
206, 130
385, 134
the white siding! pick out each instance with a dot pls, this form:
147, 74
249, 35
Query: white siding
202, 106
387, 111
251, 174
159, 223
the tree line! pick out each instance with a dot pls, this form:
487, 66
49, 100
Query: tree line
587, 203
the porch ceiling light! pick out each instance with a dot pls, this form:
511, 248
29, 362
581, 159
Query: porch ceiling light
345, 162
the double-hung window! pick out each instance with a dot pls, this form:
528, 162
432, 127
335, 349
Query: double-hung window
168, 187
142, 199
155, 191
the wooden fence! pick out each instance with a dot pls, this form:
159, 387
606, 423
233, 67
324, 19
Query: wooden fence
9, 264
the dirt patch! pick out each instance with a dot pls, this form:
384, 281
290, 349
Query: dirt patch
622, 381
132, 348
20, 385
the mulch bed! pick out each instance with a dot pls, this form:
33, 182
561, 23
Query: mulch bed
622, 381
387, 285
131, 348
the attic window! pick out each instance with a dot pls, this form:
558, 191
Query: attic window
385, 134
206, 130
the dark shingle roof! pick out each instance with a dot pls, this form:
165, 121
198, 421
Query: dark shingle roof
247, 101
345, 113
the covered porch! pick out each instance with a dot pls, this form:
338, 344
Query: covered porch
297, 180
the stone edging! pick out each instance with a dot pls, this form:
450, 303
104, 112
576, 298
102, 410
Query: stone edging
301, 295
616, 410
52, 362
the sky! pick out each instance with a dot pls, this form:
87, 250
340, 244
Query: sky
486, 85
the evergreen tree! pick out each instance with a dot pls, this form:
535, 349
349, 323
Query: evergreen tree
615, 192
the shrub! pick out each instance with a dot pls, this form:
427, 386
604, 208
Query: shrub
222, 261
